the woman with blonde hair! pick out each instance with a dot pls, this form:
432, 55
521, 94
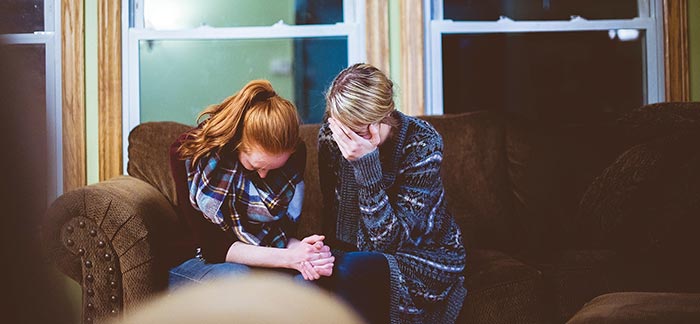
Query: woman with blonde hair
399, 254
239, 184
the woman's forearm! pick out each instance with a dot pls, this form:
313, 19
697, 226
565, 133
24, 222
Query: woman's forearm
258, 256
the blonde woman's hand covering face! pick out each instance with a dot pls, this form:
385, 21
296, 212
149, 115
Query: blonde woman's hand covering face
352, 145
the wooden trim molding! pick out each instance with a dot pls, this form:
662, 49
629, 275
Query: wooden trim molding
109, 88
412, 63
676, 55
377, 34
73, 94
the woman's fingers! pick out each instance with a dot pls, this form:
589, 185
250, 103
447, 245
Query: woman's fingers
303, 271
352, 145
313, 274
325, 270
323, 261
346, 130
374, 133
338, 129
313, 239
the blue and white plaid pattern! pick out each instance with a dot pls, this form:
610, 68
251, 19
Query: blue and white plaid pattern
258, 210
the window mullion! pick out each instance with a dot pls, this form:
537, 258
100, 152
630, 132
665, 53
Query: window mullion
643, 8
436, 100
138, 14
49, 15
506, 25
437, 9
275, 31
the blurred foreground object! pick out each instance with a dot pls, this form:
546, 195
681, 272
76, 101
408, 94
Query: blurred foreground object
257, 298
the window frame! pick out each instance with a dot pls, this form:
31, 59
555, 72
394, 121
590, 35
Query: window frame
650, 21
50, 37
353, 27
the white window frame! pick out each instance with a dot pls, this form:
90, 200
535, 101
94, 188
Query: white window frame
352, 27
650, 21
50, 37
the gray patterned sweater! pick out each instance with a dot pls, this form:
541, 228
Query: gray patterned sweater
392, 201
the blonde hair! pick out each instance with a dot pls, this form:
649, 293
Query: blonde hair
253, 117
360, 95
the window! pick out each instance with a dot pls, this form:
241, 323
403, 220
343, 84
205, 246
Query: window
182, 55
547, 59
29, 32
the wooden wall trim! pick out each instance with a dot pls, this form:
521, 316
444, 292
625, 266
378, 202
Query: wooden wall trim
676, 55
109, 88
73, 94
377, 34
412, 63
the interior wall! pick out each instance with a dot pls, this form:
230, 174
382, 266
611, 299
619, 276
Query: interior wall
694, 48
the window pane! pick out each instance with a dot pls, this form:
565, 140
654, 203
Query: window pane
21, 16
27, 70
179, 78
183, 14
563, 76
539, 9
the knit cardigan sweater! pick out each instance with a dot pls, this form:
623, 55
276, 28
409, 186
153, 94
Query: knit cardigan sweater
392, 201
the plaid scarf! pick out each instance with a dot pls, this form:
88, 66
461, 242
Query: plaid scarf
259, 211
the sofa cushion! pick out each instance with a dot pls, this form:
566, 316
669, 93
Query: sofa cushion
473, 172
550, 166
501, 289
661, 119
311, 217
149, 155
576, 276
640, 307
647, 201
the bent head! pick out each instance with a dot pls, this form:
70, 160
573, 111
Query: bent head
359, 96
269, 134
260, 125
261, 162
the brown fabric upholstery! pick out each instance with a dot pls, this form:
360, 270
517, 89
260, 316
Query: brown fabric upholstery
121, 224
536, 250
149, 155
640, 308
501, 289
473, 172
550, 166
645, 201
310, 222
579, 275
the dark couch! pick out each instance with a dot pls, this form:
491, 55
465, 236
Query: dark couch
552, 215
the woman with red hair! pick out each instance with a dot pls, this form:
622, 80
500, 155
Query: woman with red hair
239, 183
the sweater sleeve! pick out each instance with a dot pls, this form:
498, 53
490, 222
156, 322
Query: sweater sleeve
206, 235
404, 214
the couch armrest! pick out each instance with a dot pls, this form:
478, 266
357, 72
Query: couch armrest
110, 238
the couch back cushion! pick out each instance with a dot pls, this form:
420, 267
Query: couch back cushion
149, 155
550, 166
310, 221
475, 178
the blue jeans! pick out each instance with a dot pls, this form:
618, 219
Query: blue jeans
198, 271
362, 280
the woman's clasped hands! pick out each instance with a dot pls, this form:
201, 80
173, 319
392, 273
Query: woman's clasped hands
311, 257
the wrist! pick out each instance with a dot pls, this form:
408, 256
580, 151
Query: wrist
367, 169
289, 261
